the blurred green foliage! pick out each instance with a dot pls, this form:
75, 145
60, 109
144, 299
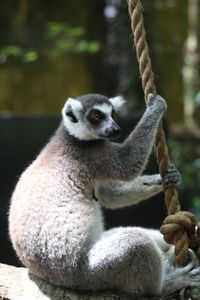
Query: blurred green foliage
197, 100
186, 157
57, 39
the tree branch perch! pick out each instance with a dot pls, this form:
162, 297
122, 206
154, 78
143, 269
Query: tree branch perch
18, 284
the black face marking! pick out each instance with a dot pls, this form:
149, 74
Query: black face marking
70, 114
95, 116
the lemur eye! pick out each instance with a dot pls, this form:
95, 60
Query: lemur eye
95, 117
114, 116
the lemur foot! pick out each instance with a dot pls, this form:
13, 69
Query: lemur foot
171, 176
178, 278
157, 103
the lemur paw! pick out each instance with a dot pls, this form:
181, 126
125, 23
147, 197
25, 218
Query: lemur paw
157, 103
171, 176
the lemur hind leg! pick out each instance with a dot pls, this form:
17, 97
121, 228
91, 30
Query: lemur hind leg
125, 259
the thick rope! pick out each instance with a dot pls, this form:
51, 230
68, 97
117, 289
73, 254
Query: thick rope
178, 229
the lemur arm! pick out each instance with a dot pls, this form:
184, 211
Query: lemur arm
115, 194
119, 194
126, 161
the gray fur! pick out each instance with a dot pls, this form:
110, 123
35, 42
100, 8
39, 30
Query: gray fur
116, 194
57, 228
90, 100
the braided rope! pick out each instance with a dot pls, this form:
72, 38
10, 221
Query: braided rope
179, 230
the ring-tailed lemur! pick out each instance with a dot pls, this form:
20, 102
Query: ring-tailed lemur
55, 225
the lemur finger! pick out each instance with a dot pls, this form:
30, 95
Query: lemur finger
171, 176
172, 172
171, 179
150, 99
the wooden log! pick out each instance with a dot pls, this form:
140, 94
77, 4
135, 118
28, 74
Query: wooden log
18, 284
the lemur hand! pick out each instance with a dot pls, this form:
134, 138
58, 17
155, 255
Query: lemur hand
172, 176
156, 103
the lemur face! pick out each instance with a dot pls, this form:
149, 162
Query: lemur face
92, 117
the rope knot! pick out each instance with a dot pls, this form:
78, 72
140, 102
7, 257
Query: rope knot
181, 230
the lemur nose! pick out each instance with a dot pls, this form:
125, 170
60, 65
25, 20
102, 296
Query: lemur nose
117, 131
113, 132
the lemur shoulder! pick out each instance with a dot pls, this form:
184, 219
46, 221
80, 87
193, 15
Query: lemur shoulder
57, 228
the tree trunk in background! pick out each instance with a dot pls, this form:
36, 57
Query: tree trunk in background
190, 67
166, 23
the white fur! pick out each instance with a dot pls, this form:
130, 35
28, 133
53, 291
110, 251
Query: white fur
105, 108
96, 226
117, 102
75, 105
80, 129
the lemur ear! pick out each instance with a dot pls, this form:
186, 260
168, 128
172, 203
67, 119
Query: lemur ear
117, 102
72, 109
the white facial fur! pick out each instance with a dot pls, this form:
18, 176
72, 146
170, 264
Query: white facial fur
80, 129
117, 102
105, 108
75, 104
